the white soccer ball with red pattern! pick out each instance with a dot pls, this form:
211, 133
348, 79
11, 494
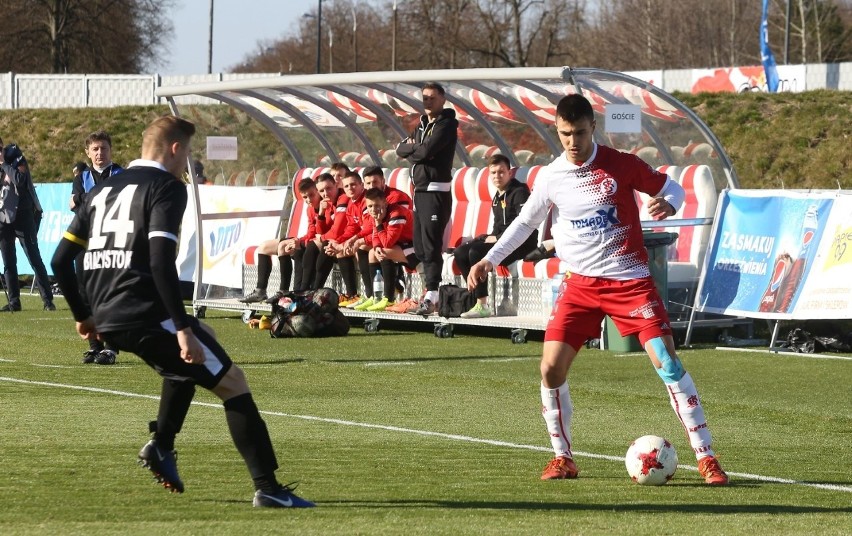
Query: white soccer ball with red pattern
651, 461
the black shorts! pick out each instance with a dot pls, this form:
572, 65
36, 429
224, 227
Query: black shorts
158, 347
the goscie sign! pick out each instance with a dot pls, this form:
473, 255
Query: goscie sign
623, 118
221, 148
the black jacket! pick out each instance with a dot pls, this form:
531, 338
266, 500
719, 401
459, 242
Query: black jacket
16, 168
430, 150
515, 195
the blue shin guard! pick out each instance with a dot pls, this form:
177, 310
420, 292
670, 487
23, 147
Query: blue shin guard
671, 370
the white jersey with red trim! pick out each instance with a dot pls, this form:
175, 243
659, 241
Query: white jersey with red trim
596, 225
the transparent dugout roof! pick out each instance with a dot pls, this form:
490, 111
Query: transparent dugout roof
359, 118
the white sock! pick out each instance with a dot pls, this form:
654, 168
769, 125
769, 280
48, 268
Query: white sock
557, 410
432, 296
687, 406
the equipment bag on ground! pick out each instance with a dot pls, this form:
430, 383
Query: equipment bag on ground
454, 300
308, 314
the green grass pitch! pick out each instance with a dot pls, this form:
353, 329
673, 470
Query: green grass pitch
400, 432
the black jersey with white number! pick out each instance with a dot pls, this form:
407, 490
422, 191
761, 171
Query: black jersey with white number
117, 220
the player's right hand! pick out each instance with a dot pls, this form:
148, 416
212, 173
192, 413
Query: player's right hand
86, 329
478, 273
191, 350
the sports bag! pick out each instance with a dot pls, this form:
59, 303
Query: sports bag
308, 314
454, 300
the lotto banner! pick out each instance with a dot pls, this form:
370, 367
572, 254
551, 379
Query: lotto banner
233, 218
780, 255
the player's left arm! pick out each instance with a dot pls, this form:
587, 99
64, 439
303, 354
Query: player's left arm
166, 211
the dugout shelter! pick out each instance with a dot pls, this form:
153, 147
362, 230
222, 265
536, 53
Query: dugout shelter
358, 118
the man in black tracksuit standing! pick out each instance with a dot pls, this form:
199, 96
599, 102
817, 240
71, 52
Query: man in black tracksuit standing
16, 172
430, 150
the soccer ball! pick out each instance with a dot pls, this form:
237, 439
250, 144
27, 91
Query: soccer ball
651, 461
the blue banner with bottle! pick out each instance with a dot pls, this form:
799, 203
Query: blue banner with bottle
780, 255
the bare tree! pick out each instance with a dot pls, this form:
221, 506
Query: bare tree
78, 36
610, 34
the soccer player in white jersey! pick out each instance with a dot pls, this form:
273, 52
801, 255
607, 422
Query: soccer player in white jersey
127, 231
598, 235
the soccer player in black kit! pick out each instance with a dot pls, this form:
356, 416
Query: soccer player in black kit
128, 227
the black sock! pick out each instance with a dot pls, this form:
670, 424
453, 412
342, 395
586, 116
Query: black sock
325, 263
285, 263
264, 270
389, 272
175, 399
364, 268
347, 272
252, 441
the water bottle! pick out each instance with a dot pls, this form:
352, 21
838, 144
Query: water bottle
378, 286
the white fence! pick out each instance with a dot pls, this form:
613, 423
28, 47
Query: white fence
105, 90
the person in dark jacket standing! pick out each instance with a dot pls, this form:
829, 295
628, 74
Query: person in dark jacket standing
16, 172
99, 151
430, 150
506, 205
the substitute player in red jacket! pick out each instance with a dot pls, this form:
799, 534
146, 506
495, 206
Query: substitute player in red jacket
388, 237
598, 234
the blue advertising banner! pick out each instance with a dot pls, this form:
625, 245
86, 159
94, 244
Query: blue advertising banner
54, 200
764, 246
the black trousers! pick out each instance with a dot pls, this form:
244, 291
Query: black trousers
470, 253
431, 214
24, 229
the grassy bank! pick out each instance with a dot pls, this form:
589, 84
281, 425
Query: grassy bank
791, 140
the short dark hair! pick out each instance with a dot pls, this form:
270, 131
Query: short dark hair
353, 174
100, 135
80, 167
374, 170
375, 194
306, 185
498, 159
325, 177
574, 107
339, 165
435, 86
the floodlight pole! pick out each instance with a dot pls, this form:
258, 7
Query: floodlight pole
210, 42
787, 36
355, 37
393, 39
319, 35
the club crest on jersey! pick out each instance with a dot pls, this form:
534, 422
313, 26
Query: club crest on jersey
603, 218
608, 186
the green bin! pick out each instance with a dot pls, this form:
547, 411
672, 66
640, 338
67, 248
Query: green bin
657, 245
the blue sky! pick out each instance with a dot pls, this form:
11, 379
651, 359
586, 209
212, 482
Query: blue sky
238, 25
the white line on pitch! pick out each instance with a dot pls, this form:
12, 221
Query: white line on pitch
507, 359
427, 433
7, 360
389, 363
